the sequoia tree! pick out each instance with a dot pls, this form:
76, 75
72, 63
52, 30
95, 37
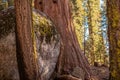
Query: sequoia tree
25, 50
71, 58
113, 11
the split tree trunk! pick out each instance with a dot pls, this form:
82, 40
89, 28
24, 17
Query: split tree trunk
71, 56
113, 11
25, 50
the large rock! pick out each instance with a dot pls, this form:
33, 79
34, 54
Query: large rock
47, 45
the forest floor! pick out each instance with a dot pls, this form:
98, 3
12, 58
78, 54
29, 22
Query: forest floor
101, 71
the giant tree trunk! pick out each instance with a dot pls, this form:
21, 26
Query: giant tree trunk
113, 12
25, 50
71, 56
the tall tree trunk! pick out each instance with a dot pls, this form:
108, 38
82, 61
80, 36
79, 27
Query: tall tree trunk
71, 55
94, 26
113, 11
25, 50
91, 36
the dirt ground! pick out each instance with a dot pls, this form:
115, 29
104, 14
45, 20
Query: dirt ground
101, 71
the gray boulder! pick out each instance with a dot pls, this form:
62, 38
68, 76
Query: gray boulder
47, 46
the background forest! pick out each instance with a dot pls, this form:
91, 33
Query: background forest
71, 40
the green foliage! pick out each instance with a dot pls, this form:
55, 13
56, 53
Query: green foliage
44, 26
87, 15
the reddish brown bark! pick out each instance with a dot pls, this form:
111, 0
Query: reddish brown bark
71, 55
25, 52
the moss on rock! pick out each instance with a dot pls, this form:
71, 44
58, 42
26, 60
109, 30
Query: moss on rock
44, 25
41, 23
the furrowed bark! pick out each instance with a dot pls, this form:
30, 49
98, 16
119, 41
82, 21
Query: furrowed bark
25, 50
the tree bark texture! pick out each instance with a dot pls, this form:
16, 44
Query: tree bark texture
25, 50
71, 56
113, 12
